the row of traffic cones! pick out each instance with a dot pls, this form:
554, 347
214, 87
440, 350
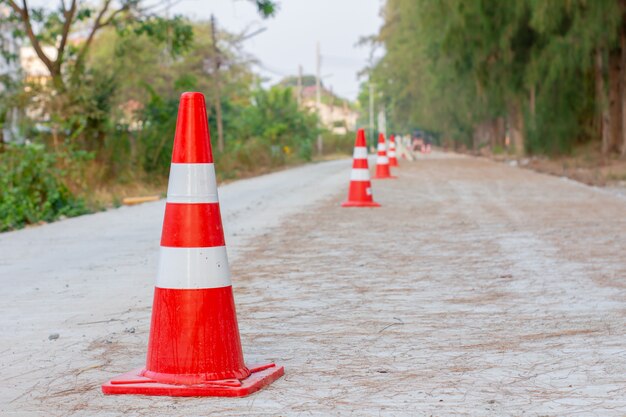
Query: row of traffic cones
360, 193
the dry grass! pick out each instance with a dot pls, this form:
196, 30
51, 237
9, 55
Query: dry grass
111, 195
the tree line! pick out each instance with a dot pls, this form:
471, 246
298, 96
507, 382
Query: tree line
538, 76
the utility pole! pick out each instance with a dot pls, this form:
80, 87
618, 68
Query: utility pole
299, 91
318, 97
217, 102
382, 121
332, 108
166, 54
372, 139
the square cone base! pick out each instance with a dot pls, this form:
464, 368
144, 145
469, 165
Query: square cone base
135, 384
360, 204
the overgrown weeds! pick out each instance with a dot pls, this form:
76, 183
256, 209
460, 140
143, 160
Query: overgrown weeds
35, 185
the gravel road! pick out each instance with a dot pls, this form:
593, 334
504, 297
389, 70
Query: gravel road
477, 289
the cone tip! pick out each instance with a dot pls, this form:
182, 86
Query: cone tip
191, 98
360, 138
192, 139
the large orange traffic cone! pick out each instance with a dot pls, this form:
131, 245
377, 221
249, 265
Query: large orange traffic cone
393, 161
382, 162
194, 347
360, 193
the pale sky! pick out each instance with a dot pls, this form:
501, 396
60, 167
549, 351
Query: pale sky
291, 36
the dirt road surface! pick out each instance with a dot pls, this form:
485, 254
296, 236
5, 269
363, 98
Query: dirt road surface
477, 289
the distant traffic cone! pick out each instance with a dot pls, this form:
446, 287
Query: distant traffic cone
393, 162
428, 148
194, 347
382, 162
360, 194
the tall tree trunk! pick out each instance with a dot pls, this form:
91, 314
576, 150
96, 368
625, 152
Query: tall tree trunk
497, 132
622, 139
481, 134
602, 113
532, 101
516, 126
500, 132
615, 101
477, 136
493, 134
532, 109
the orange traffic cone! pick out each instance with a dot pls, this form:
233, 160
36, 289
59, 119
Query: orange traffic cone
360, 194
194, 347
382, 162
393, 162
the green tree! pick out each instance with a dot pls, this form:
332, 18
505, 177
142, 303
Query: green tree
550, 72
76, 101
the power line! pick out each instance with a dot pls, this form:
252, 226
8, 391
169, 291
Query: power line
345, 59
274, 71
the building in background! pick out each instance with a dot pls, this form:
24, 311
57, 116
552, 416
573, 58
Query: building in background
336, 114
32, 67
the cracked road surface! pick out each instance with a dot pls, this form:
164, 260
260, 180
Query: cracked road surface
477, 289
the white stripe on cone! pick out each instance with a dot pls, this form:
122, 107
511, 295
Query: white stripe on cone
193, 268
360, 152
382, 160
391, 153
382, 147
192, 183
360, 174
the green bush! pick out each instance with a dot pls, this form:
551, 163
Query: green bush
157, 135
275, 120
32, 188
339, 144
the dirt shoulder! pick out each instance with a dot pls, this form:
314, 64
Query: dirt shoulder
586, 165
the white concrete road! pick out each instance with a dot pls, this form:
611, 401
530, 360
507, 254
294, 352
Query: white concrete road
477, 289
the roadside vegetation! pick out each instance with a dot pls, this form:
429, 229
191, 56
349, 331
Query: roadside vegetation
529, 77
96, 122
